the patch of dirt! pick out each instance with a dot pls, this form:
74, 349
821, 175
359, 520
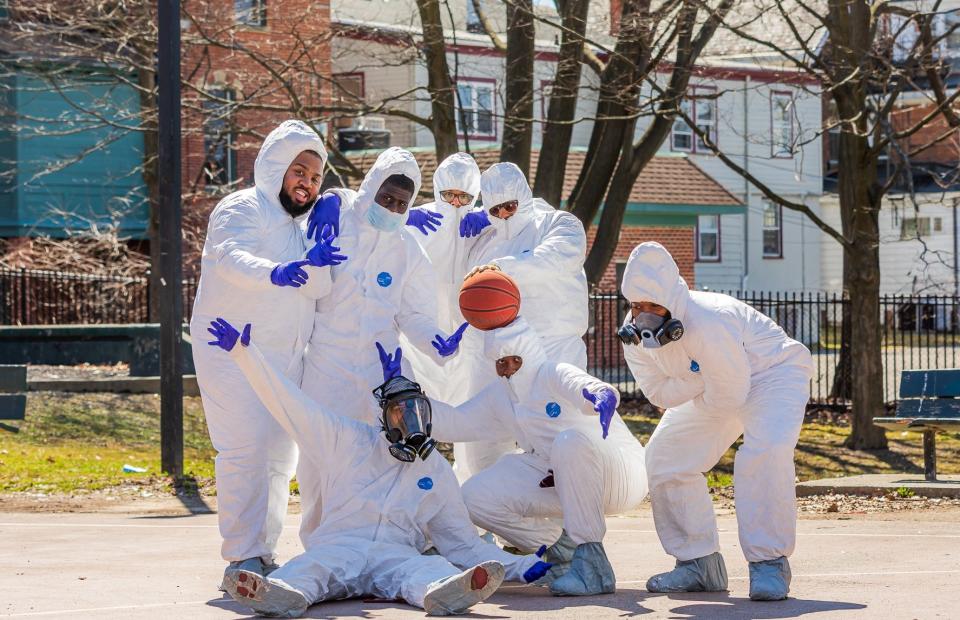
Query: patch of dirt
845, 506
39, 372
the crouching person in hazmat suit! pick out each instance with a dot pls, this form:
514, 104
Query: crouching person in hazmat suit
572, 470
257, 267
722, 370
386, 498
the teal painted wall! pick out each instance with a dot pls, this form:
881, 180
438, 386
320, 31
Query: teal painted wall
86, 173
8, 150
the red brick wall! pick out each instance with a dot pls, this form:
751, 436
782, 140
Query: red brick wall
678, 240
946, 151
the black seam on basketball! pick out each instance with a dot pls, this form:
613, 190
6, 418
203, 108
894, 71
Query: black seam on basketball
462, 309
484, 287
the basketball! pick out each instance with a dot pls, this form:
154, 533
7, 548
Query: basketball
489, 299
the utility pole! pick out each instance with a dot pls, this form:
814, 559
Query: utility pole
171, 276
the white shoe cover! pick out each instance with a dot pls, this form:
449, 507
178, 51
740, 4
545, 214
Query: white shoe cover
770, 580
267, 597
706, 574
457, 593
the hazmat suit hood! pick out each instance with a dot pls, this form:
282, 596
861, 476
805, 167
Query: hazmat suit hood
458, 171
278, 151
394, 160
502, 183
517, 338
652, 275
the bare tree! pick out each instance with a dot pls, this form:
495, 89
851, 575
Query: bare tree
518, 119
439, 85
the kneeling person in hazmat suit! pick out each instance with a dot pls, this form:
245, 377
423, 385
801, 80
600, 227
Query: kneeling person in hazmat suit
572, 471
385, 500
721, 369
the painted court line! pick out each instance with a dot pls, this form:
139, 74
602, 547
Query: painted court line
822, 575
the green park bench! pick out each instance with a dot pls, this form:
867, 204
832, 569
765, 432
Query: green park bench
928, 404
13, 388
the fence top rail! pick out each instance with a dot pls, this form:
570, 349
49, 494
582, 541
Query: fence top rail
61, 275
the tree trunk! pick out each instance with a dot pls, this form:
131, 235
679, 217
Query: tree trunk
518, 115
552, 164
151, 146
442, 108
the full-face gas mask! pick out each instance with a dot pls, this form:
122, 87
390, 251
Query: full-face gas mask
406, 419
651, 330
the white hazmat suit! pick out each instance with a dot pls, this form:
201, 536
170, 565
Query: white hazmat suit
734, 372
542, 408
379, 514
250, 233
543, 250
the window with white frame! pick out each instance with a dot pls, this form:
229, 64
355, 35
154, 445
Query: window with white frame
220, 156
701, 106
475, 101
473, 18
708, 238
915, 228
772, 230
781, 124
250, 12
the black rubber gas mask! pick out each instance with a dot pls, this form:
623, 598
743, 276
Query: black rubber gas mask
406, 419
651, 330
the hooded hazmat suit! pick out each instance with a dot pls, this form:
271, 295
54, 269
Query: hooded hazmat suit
734, 372
379, 514
543, 409
543, 250
385, 287
447, 252
249, 233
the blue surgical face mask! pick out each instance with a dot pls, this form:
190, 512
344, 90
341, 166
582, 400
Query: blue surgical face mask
385, 220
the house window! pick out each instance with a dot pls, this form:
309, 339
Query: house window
349, 90
915, 227
250, 12
781, 124
476, 109
708, 238
220, 163
701, 106
4, 10
772, 231
473, 18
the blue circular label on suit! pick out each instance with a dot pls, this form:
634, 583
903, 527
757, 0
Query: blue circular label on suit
384, 279
425, 483
553, 409
694, 366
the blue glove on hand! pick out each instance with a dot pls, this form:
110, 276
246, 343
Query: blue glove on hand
424, 220
448, 346
605, 403
324, 254
389, 364
226, 334
290, 274
326, 212
473, 222
539, 569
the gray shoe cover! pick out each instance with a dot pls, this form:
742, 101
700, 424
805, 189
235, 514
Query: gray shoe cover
770, 580
560, 554
253, 565
590, 573
267, 597
706, 574
457, 593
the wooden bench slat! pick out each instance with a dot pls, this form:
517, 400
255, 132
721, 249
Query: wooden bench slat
929, 408
13, 378
13, 406
930, 382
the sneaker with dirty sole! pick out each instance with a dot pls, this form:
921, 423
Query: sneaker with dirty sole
267, 597
457, 593
254, 565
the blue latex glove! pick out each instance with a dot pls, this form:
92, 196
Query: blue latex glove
324, 253
473, 222
290, 274
448, 346
389, 363
424, 220
539, 569
226, 334
605, 403
326, 212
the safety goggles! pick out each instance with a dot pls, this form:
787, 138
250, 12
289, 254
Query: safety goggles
451, 194
510, 206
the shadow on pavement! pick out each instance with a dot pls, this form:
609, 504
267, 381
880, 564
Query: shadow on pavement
722, 605
533, 598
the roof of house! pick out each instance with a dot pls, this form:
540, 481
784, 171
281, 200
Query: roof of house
666, 180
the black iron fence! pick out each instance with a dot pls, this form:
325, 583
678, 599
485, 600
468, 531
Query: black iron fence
34, 297
919, 331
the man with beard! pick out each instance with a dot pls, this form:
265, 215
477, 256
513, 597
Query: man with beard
257, 267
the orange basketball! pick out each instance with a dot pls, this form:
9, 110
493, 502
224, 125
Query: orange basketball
489, 299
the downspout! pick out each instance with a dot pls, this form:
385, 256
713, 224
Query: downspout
746, 190
956, 263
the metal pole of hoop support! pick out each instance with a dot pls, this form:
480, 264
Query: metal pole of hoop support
169, 239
